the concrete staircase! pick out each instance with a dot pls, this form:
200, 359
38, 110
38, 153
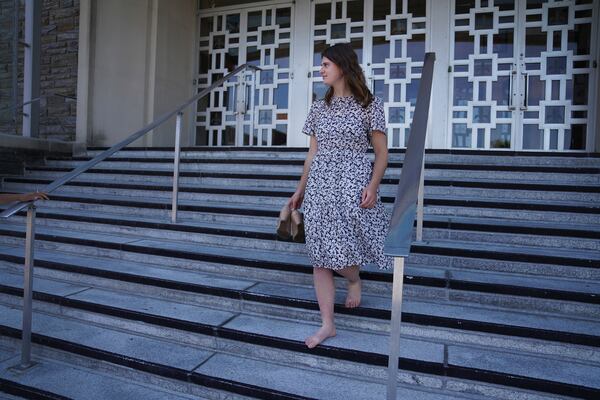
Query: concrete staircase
502, 297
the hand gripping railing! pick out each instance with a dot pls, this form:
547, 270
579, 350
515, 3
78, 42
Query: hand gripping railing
30, 232
408, 202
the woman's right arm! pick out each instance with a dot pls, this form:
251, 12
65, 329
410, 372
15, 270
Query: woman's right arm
296, 200
9, 198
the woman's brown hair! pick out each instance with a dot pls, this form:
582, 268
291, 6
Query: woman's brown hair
344, 56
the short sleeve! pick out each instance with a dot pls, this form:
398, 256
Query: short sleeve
376, 116
309, 124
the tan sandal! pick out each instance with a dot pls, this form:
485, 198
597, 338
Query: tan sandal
284, 225
297, 230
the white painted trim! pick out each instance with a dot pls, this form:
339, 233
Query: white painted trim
150, 72
84, 56
300, 66
250, 4
189, 135
593, 133
438, 40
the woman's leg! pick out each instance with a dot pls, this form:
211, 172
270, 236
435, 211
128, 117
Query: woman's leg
354, 285
325, 289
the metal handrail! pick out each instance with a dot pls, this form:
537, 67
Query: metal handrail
30, 231
133, 137
408, 203
62, 96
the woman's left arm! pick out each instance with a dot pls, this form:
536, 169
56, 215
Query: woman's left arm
369, 195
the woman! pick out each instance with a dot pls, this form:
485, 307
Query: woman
344, 219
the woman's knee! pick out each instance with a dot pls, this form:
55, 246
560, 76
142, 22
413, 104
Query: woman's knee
322, 270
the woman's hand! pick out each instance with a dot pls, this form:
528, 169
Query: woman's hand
34, 196
368, 197
296, 200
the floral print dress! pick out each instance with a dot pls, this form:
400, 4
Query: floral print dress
339, 233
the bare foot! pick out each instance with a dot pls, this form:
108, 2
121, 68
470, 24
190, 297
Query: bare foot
319, 336
353, 297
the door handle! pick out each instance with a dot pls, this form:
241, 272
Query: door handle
511, 88
247, 98
525, 92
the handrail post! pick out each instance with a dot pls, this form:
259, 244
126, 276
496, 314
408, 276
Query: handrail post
395, 328
28, 290
408, 203
176, 167
420, 202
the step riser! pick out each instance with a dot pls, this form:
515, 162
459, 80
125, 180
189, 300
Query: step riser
450, 211
168, 180
163, 215
271, 183
478, 264
557, 242
385, 190
199, 238
392, 156
199, 167
140, 195
219, 155
348, 368
519, 215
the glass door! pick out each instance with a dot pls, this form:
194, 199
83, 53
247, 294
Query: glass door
520, 74
389, 37
250, 109
556, 66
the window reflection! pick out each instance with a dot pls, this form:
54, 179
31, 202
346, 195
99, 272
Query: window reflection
381, 49
463, 91
463, 45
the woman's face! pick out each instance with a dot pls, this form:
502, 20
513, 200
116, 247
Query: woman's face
330, 72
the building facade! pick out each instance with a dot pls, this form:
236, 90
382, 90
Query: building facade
519, 75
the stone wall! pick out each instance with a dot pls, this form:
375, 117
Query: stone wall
58, 67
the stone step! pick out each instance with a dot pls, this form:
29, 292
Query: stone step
561, 175
249, 235
277, 179
519, 370
162, 163
450, 156
582, 213
575, 194
48, 380
555, 181
470, 188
